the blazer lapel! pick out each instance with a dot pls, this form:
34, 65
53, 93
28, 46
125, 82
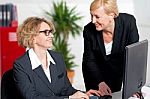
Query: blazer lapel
53, 73
117, 36
101, 43
39, 71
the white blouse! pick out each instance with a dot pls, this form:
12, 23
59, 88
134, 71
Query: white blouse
35, 62
108, 47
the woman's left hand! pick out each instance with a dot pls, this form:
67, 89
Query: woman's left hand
92, 92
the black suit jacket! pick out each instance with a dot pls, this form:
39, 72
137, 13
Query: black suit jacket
96, 65
33, 84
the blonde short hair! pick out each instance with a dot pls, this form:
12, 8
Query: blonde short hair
29, 29
110, 6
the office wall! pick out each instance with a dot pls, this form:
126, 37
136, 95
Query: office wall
138, 8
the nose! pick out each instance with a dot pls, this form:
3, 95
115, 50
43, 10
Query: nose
93, 19
51, 35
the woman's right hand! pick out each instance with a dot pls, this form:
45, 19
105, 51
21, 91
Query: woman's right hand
79, 95
104, 89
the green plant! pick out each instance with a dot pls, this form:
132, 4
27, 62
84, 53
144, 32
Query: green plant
62, 46
66, 23
65, 20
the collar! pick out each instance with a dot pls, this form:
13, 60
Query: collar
35, 62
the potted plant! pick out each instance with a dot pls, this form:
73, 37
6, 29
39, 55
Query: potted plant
66, 23
61, 46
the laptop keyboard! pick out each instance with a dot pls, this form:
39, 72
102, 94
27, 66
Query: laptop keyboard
101, 97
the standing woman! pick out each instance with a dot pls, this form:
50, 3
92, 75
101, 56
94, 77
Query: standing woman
40, 73
105, 38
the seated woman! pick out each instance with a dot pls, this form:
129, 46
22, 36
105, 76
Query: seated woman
40, 73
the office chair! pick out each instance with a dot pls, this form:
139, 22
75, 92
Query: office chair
8, 89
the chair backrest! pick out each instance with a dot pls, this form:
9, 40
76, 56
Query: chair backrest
8, 89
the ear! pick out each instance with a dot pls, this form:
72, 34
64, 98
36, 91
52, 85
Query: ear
112, 15
34, 40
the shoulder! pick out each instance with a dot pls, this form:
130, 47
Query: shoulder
58, 59
24, 58
22, 62
89, 30
89, 26
56, 55
125, 17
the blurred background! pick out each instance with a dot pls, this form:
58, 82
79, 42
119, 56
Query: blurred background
27, 8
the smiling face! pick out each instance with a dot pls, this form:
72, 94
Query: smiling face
101, 20
44, 39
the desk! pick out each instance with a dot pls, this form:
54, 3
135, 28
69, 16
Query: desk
145, 91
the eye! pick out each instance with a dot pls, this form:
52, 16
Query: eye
97, 17
46, 32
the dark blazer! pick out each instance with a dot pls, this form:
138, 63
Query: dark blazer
96, 65
33, 84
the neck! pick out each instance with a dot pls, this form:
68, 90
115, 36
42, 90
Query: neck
42, 55
110, 28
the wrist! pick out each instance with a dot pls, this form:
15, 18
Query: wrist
101, 83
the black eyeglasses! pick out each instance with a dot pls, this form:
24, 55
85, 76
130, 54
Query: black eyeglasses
46, 32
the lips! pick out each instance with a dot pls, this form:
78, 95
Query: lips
96, 24
50, 40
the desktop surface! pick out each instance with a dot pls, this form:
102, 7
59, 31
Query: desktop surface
118, 95
145, 91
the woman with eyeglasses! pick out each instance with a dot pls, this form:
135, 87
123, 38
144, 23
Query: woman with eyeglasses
40, 73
